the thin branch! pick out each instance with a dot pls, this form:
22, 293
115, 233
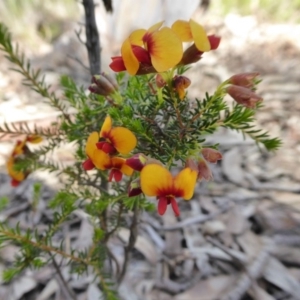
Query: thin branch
92, 37
61, 277
131, 242
78, 61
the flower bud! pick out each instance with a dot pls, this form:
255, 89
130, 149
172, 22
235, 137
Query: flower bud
111, 80
103, 85
244, 96
134, 188
211, 155
160, 82
192, 54
180, 83
190, 163
246, 80
138, 161
204, 170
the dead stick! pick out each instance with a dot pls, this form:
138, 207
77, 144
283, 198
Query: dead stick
92, 37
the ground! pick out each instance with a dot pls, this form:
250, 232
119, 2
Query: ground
239, 237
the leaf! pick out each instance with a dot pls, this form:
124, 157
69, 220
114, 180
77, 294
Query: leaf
276, 273
212, 288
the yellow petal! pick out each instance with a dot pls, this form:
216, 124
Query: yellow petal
155, 27
34, 139
106, 127
200, 37
101, 160
156, 180
130, 61
126, 170
165, 49
136, 37
181, 92
122, 139
18, 176
185, 181
91, 143
183, 30
19, 147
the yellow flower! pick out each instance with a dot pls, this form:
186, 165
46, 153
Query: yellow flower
16, 176
145, 51
20, 149
117, 165
110, 140
157, 181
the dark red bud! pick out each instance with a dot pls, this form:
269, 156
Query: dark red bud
246, 80
244, 96
204, 170
211, 155
134, 188
137, 161
160, 82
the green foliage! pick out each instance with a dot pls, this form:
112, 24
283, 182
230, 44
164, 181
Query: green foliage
3, 202
168, 129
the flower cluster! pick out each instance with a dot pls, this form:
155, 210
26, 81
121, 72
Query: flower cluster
159, 49
102, 149
20, 150
154, 180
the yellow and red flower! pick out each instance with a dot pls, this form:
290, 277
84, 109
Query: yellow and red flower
16, 176
117, 165
110, 140
20, 149
157, 181
146, 51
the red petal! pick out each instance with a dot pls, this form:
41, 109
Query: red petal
141, 54
111, 175
162, 205
117, 64
118, 175
88, 164
106, 147
14, 182
175, 207
214, 41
